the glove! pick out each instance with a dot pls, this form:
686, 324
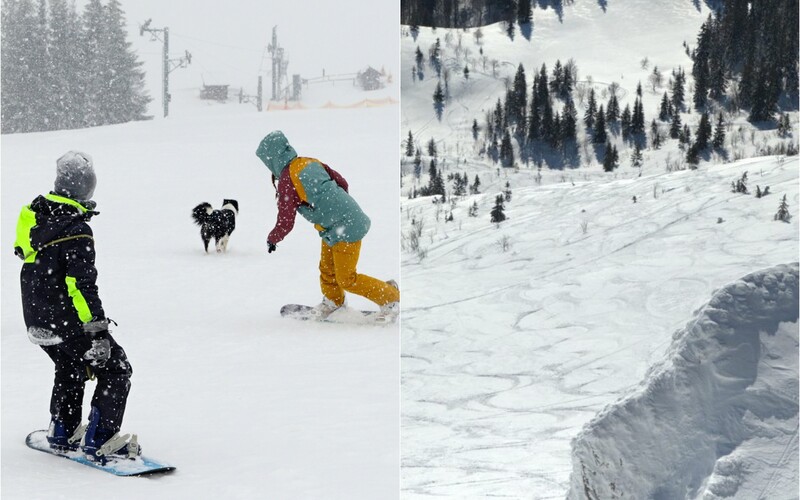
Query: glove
96, 327
99, 353
99, 350
271, 247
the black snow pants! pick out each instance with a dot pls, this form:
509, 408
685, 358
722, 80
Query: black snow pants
110, 395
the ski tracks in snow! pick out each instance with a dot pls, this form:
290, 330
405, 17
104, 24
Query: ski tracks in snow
498, 377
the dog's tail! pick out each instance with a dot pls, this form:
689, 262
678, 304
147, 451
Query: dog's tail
201, 213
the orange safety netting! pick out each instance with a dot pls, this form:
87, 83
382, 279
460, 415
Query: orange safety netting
364, 103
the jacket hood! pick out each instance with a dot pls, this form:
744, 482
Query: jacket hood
276, 152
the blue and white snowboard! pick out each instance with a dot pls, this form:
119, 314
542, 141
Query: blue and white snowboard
341, 315
138, 466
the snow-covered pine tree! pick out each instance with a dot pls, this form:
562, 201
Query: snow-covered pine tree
703, 132
65, 60
18, 64
498, 116
625, 122
124, 98
569, 122
591, 110
783, 211
664, 111
636, 157
534, 121
432, 147
410, 144
600, 135
678, 95
685, 136
524, 14
66, 71
610, 160
434, 57
438, 99
555, 138
518, 98
558, 78
693, 155
655, 135
741, 185
719, 133
475, 188
675, 125
543, 85
497, 214
637, 120
784, 125
700, 70
546, 127
473, 209
506, 150
612, 110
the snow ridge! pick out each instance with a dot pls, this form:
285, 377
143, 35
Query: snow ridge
718, 416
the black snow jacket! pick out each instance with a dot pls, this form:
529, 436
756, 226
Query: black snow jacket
58, 278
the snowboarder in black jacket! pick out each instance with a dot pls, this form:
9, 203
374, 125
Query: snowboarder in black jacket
64, 315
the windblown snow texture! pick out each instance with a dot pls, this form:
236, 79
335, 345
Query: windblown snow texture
717, 418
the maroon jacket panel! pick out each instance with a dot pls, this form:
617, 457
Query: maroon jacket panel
289, 200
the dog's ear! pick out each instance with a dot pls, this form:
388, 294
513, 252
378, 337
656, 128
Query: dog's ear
231, 202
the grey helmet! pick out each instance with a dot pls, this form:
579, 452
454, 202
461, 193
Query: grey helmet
75, 178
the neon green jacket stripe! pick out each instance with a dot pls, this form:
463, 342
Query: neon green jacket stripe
60, 199
27, 219
78, 300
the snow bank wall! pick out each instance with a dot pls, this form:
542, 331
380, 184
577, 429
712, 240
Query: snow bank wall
726, 391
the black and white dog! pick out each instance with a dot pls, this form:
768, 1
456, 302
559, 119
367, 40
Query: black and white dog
217, 224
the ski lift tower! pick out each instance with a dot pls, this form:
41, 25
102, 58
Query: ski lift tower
279, 66
168, 65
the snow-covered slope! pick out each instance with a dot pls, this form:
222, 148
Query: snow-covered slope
619, 44
246, 404
515, 335
718, 417
507, 354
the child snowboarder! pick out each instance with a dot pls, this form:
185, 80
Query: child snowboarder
64, 315
320, 195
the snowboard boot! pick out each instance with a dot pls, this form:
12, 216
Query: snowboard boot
390, 311
64, 438
101, 445
324, 309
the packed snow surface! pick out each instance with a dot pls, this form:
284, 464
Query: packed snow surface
244, 403
717, 418
516, 335
507, 354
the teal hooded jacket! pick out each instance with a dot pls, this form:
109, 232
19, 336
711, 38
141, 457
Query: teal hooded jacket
316, 191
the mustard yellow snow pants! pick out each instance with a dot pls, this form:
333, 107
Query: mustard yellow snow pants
337, 275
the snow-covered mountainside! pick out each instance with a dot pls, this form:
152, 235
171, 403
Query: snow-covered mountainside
245, 403
515, 335
718, 417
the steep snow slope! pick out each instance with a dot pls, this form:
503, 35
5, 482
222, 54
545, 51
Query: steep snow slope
506, 355
246, 404
717, 418
608, 43
515, 336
